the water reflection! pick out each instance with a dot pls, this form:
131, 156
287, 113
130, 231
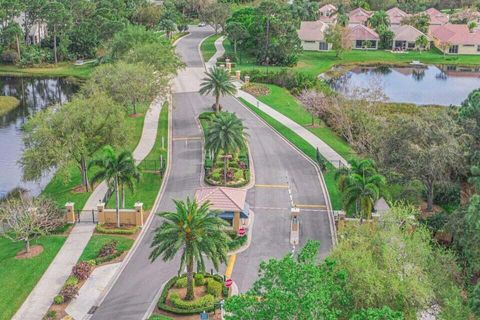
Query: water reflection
445, 85
34, 94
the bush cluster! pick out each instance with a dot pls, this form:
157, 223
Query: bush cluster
69, 292
72, 281
199, 279
294, 81
82, 270
207, 300
214, 288
59, 299
101, 229
108, 249
181, 282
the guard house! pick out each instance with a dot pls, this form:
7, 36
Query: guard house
230, 202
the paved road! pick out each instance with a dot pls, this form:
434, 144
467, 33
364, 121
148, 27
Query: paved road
274, 160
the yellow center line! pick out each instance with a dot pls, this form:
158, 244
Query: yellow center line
278, 186
309, 205
230, 264
186, 138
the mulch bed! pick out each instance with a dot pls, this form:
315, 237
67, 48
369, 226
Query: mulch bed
34, 251
256, 89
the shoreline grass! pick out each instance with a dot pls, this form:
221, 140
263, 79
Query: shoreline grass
306, 148
7, 104
63, 69
15, 283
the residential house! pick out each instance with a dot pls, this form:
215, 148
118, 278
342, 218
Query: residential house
328, 14
405, 37
396, 15
436, 17
363, 37
38, 31
359, 16
455, 39
312, 36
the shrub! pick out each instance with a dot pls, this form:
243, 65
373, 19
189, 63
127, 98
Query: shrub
294, 81
199, 279
69, 292
9, 56
92, 262
181, 282
447, 193
72, 280
214, 288
101, 260
59, 299
82, 270
205, 301
101, 229
51, 315
108, 249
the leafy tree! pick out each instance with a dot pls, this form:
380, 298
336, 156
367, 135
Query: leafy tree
26, 219
168, 26
196, 232
421, 42
386, 36
58, 19
419, 21
127, 84
339, 37
236, 32
33, 13
129, 38
305, 10
218, 83
216, 15
118, 170
342, 19
10, 34
78, 129
148, 15
469, 119
227, 134
379, 18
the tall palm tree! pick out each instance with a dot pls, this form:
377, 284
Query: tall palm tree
362, 192
218, 83
127, 180
227, 134
196, 232
115, 169
363, 167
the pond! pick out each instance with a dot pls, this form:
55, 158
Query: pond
421, 85
34, 94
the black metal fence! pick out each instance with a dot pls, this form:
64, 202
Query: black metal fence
86, 216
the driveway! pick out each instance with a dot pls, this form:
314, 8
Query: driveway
278, 167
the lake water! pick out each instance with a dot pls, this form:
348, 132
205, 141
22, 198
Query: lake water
35, 94
421, 85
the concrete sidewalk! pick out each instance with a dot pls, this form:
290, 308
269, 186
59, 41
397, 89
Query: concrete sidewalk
331, 155
37, 303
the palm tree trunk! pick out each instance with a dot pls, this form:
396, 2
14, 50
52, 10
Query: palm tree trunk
190, 295
18, 46
225, 168
27, 246
84, 169
55, 43
217, 103
123, 196
117, 210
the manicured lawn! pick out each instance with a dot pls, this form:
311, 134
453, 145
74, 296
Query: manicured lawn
64, 69
96, 243
60, 189
208, 47
19, 277
147, 189
307, 149
282, 101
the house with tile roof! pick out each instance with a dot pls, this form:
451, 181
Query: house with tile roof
327, 10
359, 16
312, 35
455, 39
363, 37
405, 37
396, 15
229, 202
436, 17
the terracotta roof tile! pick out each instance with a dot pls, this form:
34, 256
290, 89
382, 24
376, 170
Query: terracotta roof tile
222, 198
360, 32
454, 34
312, 30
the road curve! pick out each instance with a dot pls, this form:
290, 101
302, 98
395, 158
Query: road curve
276, 163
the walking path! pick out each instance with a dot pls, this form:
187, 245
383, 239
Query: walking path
40, 299
331, 155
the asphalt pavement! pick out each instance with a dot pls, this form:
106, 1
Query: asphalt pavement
278, 168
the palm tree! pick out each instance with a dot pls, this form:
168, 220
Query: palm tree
226, 133
218, 83
363, 167
362, 192
127, 180
194, 230
115, 169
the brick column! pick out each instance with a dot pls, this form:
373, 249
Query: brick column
70, 215
237, 74
139, 214
247, 79
236, 221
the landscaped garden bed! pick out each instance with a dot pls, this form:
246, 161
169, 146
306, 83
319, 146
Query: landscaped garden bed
208, 291
238, 241
237, 169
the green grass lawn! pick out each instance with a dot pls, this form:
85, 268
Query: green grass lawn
208, 47
18, 277
307, 149
63, 69
60, 189
282, 101
147, 189
96, 243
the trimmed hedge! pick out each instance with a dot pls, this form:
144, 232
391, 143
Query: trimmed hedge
237, 242
199, 279
170, 283
100, 229
203, 302
214, 288
114, 255
181, 282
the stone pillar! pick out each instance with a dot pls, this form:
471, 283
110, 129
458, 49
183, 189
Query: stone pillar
237, 74
236, 221
247, 79
375, 217
139, 214
101, 213
341, 220
70, 215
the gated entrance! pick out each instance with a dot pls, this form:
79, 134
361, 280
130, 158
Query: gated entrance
87, 216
